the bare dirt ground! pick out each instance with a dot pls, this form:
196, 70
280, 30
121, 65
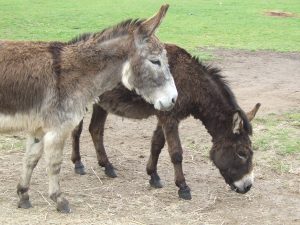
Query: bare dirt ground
270, 78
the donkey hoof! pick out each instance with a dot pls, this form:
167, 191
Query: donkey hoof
63, 206
155, 181
110, 171
185, 193
80, 171
79, 168
24, 204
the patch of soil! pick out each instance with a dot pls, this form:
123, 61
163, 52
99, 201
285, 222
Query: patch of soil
270, 78
273, 79
280, 14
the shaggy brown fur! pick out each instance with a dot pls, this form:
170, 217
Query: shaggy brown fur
204, 94
45, 87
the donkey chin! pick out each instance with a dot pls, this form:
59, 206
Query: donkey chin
243, 185
162, 99
163, 102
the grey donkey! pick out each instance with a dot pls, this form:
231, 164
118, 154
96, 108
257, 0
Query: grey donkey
45, 87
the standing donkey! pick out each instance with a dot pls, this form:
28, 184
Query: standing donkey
45, 88
204, 95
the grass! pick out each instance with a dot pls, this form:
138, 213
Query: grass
278, 132
190, 24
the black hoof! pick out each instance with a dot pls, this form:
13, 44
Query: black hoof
63, 206
24, 204
110, 171
155, 181
79, 168
185, 193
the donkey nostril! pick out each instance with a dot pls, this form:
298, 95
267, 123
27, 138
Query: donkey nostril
173, 100
247, 188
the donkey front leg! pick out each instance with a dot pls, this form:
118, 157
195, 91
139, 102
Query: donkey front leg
170, 129
34, 150
53, 147
96, 129
157, 143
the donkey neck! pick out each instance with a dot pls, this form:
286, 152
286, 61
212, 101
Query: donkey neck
92, 67
217, 120
215, 104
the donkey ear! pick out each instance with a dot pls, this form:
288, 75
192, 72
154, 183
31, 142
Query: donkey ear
237, 123
253, 112
148, 27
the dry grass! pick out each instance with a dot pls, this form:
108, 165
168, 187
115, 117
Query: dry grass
12, 142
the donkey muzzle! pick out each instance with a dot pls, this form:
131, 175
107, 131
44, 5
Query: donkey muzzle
243, 190
243, 185
165, 104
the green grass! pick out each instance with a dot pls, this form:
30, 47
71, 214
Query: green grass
193, 23
278, 132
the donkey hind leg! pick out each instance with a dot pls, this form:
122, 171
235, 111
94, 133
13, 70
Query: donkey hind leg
76, 158
175, 151
53, 148
34, 150
157, 143
96, 129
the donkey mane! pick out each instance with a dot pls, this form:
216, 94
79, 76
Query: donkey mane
223, 86
120, 29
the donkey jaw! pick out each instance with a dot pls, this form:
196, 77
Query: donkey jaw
243, 185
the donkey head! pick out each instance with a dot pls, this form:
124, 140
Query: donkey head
233, 153
147, 69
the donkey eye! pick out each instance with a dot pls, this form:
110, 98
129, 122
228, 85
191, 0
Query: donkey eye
242, 155
156, 62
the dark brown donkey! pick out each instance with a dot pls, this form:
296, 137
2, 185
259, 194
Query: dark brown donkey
203, 94
45, 87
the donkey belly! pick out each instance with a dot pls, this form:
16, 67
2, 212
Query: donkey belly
19, 122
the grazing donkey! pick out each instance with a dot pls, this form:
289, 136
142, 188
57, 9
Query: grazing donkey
203, 94
45, 87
